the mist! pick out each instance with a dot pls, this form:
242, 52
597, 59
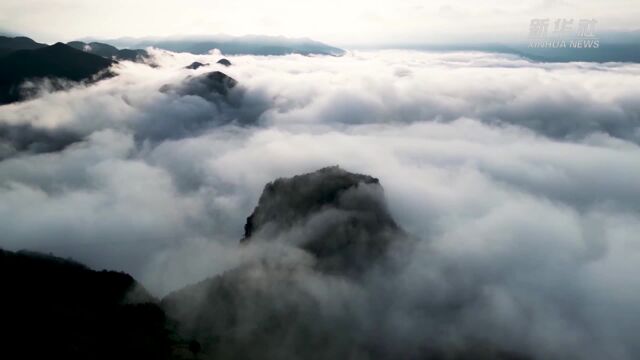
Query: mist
517, 183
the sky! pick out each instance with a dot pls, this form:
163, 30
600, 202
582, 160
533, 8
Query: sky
343, 23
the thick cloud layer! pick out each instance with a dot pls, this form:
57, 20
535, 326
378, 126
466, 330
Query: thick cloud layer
519, 180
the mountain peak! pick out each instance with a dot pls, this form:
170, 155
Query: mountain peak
58, 61
351, 241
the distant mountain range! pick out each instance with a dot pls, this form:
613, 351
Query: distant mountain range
109, 51
12, 44
606, 52
22, 59
230, 45
611, 47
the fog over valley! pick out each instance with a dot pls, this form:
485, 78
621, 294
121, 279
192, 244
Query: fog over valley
430, 204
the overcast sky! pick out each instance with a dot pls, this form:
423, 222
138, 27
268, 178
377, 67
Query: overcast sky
340, 22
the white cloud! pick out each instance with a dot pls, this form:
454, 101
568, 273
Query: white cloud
520, 180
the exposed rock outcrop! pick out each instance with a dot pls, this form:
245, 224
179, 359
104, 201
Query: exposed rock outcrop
195, 65
339, 217
224, 62
209, 86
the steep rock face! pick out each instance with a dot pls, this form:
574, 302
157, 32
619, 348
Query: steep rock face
339, 217
301, 305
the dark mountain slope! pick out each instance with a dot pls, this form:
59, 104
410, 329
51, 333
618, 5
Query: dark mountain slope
20, 138
262, 311
56, 61
136, 55
110, 52
12, 44
96, 48
56, 308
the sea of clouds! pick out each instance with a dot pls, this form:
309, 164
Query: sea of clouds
520, 180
